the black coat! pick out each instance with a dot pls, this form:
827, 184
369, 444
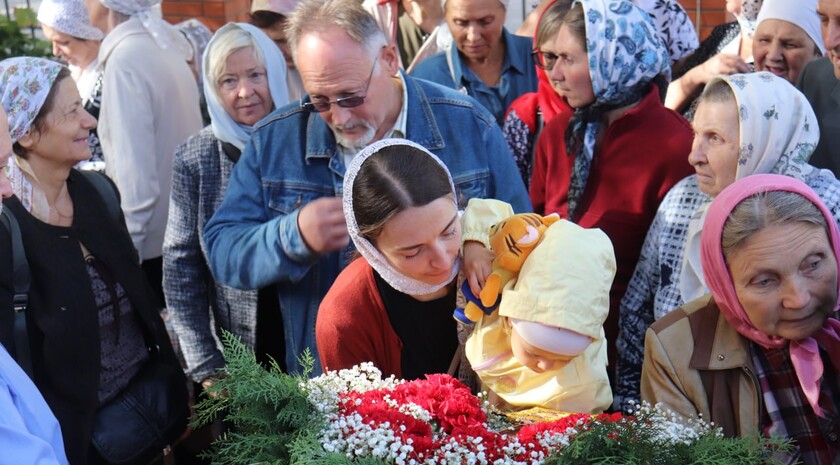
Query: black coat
62, 316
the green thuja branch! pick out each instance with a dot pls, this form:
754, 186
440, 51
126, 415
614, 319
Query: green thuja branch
265, 408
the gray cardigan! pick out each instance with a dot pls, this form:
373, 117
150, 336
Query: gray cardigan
197, 303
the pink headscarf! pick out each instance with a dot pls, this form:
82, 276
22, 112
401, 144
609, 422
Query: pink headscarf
804, 353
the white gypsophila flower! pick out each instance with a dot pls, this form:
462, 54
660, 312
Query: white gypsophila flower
323, 391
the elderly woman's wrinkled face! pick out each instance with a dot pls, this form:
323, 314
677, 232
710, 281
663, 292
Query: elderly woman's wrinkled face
785, 277
476, 26
243, 87
64, 138
423, 242
5, 154
77, 52
714, 153
782, 48
569, 75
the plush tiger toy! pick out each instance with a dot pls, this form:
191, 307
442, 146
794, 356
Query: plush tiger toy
512, 240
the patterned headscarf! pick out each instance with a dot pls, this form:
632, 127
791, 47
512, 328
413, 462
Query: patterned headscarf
625, 55
224, 127
377, 261
69, 17
25, 83
748, 17
778, 133
804, 353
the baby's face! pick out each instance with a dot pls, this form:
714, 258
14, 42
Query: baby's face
534, 358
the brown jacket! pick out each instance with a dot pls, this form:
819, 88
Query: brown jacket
697, 364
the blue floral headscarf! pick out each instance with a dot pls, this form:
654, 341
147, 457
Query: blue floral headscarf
625, 55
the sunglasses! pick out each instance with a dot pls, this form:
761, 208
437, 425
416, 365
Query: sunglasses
544, 60
320, 106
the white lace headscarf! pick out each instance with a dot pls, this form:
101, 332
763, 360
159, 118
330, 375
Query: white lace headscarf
69, 17
164, 34
394, 278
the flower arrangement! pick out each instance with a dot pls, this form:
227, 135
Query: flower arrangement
357, 417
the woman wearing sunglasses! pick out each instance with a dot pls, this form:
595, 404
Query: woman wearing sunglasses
610, 163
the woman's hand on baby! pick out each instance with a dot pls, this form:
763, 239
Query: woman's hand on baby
477, 264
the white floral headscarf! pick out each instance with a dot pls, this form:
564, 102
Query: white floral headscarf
25, 83
625, 55
748, 17
778, 133
377, 261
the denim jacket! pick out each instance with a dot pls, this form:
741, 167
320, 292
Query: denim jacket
292, 159
518, 75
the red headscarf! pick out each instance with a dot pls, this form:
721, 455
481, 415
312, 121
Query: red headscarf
545, 98
804, 353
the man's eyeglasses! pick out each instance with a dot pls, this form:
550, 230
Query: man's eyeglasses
344, 102
544, 60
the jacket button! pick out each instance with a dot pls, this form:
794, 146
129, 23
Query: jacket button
63, 309
832, 436
721, 357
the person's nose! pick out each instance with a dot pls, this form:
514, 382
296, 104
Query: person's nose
472, 33
774, 52
88, 121
338, 115
697, 156
5, 185
556, 73
831, 35
55, 50
441, 259
245, 89
796, 294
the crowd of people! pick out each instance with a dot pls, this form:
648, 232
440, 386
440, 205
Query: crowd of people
339, 176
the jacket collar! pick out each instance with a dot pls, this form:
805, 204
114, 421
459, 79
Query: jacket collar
420, 127
513, 59
722, 348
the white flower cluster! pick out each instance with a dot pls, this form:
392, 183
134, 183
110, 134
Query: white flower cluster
673, 428
323, 391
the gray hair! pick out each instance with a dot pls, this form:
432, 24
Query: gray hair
717, 91
347, 15
227, 41
551, 20
763, 210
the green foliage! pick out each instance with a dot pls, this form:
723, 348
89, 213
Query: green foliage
267, 408
606, 444
14, 41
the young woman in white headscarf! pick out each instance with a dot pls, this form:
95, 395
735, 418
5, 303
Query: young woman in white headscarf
393, 306
244, 75
92, 323
746, 124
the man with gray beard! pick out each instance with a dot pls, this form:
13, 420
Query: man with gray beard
281, 221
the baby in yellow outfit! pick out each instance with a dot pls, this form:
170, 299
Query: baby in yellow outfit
545, 346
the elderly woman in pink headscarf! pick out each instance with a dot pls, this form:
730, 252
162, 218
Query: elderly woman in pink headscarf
761, 354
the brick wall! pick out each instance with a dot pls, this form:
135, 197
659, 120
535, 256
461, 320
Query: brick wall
711, 13
215, 13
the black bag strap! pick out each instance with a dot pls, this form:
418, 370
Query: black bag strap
20, 281
107, 191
